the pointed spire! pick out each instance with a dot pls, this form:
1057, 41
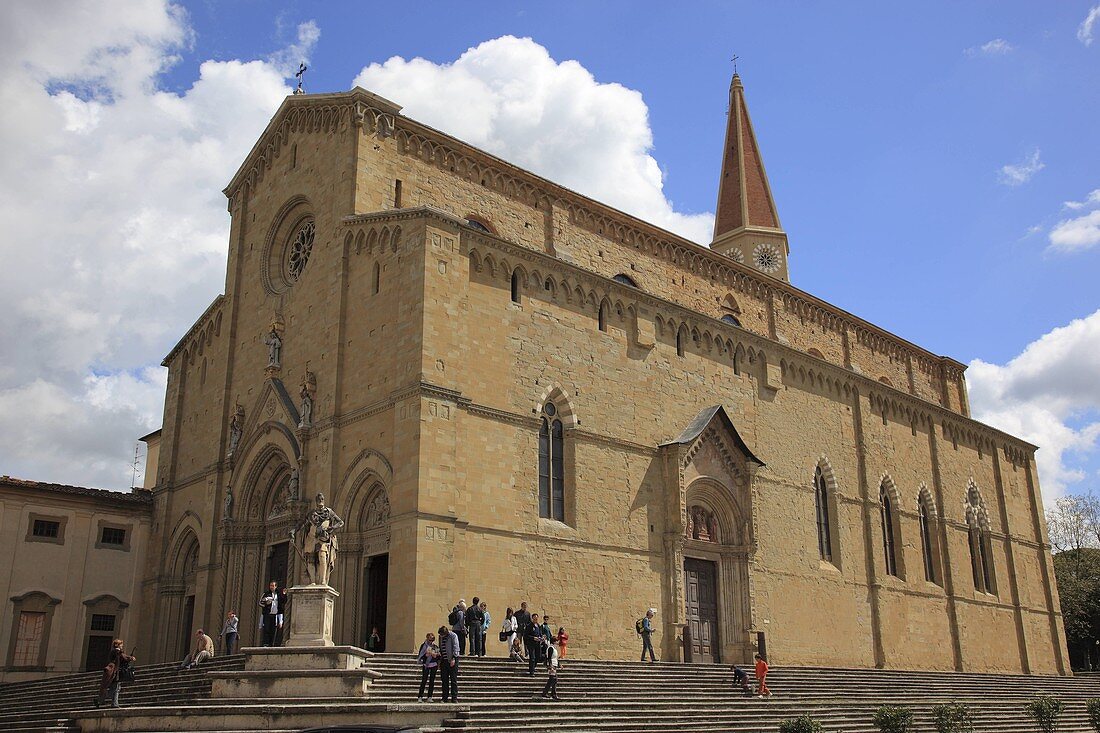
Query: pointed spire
746, 215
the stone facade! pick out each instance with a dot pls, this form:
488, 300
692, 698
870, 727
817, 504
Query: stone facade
431, 300
71, 560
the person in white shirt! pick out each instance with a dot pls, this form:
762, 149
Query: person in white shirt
551, 687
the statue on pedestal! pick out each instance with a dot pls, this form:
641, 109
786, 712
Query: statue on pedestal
274, 344
319, 546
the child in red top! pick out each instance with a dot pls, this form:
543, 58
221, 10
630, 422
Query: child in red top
563, 640
761, 676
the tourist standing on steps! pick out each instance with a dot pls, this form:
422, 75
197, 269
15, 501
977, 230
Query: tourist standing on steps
449, 654
229, 632
647, 636
474, 619
457, 620
551, 687
532, 640
562, 640
485, 622
374, 641
547, 632
508, 629
428, 657
280, 621
203, 650
523, 620
111, 680
761, 676
270, 614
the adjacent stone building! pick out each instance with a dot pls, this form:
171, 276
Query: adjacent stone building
71, 559
509, 390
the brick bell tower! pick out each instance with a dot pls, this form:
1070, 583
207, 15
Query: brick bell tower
746, 222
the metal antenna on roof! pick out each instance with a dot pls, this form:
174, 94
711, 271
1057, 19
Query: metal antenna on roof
135, 464
302, 68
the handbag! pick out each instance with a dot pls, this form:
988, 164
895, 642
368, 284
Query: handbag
504, 635
127, 674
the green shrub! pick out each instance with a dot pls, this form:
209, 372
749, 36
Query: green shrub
801, 724
953, 718
894, 719
1093, 706
1045, 709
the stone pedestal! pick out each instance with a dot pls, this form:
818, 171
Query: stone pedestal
311, 608
297, 672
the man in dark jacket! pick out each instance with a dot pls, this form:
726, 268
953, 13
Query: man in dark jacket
475, 618
523, 620
532, 639
457, 620
448, 663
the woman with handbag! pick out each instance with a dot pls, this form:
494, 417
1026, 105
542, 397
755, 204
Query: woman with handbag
508, 630
119, 669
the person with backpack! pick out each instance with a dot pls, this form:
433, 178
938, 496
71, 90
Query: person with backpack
428, 658
119, 666
449, 655
475, 618
457, 620
645, 628
551, 687
532, 640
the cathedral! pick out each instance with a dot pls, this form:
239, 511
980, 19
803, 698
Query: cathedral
509, 390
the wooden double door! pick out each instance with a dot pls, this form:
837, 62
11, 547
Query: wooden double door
701, 588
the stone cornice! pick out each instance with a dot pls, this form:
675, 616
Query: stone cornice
867, 386
198, 331
366, 110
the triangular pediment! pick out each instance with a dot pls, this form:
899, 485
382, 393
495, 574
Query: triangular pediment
273, 403
714, 420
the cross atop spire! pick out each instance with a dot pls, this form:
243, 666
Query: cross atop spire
302, 68
746, 222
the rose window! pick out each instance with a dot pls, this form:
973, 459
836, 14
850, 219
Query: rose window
767, 257
736, 255
299, 250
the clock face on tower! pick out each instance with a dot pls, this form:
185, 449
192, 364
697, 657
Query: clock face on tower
766, 257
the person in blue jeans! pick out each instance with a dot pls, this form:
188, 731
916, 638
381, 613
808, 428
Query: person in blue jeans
449, 654
428, 657
647, 636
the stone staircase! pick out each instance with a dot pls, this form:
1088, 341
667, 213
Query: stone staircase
496, 695
51, 704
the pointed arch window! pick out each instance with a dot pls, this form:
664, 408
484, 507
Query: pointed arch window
551, 464
886, 511
680, 341
515, 286
926, 544
981, 548
821, 509
604, 311
376, 278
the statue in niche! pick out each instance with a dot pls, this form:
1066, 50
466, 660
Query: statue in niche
309, 388
227, 504
689, 530
702, 524
236, 428
292, 491
307, 409
712, 527
319, 546
274, 344
378, 512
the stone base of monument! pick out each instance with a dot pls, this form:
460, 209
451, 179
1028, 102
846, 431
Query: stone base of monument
311, 608
309, 666
297, 672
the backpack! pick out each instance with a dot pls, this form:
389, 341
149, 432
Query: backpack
639, 625
454, 617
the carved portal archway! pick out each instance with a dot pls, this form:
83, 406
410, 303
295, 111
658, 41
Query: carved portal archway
710, 472
256, 542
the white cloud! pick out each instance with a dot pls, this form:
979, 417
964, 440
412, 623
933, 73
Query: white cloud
996, 47
1048, 395
286, 60
1020, 173
1093, 199
1084, 33
508, 96
1080, 232
116, 229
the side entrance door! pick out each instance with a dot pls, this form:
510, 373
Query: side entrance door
702, 609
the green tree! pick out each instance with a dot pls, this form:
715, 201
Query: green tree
1073, 525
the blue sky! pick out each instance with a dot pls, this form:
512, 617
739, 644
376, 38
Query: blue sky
932, 164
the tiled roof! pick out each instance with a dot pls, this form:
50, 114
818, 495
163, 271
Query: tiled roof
133, 498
